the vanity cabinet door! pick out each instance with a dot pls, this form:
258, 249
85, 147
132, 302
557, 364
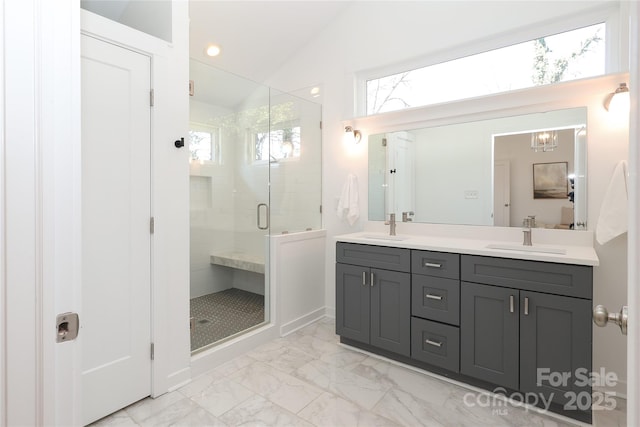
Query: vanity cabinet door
555, 338
352, 302
391, 311
489, 334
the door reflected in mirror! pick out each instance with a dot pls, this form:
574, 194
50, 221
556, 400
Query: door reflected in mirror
481, 173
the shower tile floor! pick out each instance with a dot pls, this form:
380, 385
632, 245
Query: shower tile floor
222, 314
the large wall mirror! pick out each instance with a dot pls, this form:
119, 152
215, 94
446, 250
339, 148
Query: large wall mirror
489, 172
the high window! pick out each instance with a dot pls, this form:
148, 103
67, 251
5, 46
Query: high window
204, 143
561, 57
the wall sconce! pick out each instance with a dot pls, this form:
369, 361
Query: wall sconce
618, 100
546, 140
351, 136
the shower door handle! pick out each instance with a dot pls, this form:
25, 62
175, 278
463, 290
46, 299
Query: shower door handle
266, 227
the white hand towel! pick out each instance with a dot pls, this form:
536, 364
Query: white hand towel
349, 200
613, 213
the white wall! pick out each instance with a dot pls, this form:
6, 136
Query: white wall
363, 38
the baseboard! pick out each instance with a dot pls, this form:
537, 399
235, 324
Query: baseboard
619, 389
330, 312
302, 321
178, 379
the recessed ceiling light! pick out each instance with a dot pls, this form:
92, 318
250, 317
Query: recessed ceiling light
315, 92
213, 50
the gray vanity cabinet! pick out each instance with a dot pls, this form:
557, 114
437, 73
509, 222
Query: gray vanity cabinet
489, 334
511, 323
373, 305
352, 302
510, 334
435, 307
555, 336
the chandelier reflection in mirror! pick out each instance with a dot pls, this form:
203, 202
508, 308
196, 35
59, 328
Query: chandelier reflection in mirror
544, 141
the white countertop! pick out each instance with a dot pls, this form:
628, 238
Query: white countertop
572, 254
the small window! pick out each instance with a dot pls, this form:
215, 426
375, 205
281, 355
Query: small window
204, 144
562, 57
277, 144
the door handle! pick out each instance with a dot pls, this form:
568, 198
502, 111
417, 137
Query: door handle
260, 205
511, 304
371, 282
601, 317
67, 327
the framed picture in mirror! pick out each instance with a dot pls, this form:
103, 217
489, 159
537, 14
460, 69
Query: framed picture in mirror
550, 180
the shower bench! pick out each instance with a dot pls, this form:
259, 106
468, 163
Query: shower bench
238, 260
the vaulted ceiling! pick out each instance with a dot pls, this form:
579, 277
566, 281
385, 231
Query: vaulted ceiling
256, 37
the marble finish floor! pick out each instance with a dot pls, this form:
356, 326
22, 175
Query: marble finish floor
308, 379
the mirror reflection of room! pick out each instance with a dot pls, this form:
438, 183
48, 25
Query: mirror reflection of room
521, 174
459, 173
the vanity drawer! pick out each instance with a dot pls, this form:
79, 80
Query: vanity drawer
439, 264
435, 343
386, 258
560, 279
435, 298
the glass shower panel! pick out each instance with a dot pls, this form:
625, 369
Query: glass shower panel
295, 164
229, 195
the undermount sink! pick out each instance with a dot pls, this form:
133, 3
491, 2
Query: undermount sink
522, 248
385, 237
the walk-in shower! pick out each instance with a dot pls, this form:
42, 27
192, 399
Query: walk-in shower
255, 171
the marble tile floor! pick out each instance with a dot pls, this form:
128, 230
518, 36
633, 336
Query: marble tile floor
308, 379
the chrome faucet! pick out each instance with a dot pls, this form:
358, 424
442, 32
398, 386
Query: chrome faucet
527, 223
392, 224
406, 215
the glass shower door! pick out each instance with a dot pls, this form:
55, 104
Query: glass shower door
295, 166
229, 197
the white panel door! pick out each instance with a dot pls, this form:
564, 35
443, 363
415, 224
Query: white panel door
502, 193
116, 264
401, 176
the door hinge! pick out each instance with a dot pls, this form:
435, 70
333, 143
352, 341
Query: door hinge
151, 98
152, 225
320, 124
320, 208
153, 351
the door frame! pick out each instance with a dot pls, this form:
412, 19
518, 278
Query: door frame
170, 366
40, 202
633, 255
